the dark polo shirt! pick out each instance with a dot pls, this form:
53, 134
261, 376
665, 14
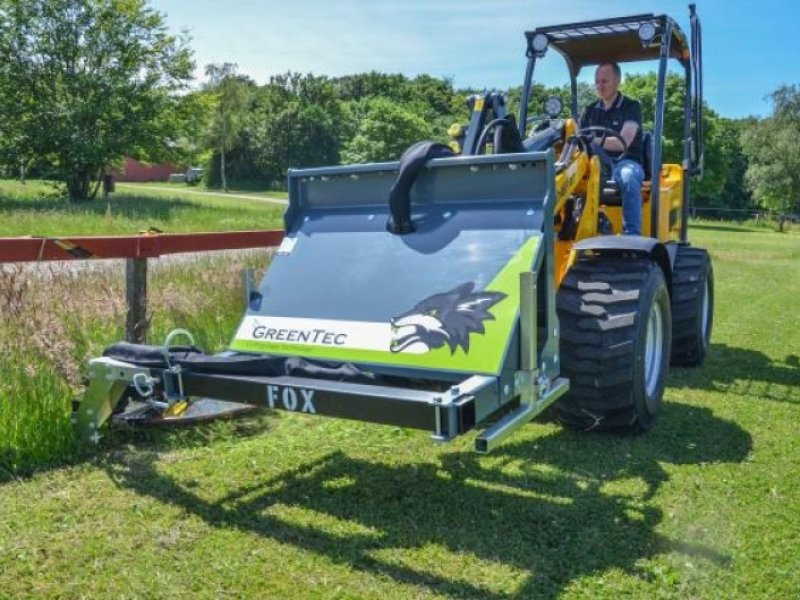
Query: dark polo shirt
622, 110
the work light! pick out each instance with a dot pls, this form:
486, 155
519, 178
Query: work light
647, 31
540, 43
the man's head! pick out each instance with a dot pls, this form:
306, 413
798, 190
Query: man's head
606, 81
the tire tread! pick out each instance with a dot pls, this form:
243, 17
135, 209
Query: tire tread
598, 304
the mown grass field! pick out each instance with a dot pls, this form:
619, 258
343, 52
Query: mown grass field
38, 208
707, 505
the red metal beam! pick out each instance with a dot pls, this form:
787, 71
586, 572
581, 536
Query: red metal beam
136, 246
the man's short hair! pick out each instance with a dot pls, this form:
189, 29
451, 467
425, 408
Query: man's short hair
614, 67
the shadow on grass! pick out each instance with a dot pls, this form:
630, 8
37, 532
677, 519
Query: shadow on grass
744, 372
545, 512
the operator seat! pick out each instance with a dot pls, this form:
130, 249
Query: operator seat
610, 194
506, 136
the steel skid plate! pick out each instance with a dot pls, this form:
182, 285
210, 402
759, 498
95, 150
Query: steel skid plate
444, 297
197, 410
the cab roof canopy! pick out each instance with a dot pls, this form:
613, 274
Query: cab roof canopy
593, 42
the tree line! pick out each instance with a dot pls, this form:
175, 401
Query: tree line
84, 83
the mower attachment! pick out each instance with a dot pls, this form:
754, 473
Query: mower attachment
444, 327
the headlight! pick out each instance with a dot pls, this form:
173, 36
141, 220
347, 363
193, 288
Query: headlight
540, 43
553, 106
647, 31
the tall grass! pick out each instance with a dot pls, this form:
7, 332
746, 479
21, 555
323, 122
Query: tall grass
53, 319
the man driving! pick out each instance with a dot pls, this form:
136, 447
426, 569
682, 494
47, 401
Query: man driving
623, 115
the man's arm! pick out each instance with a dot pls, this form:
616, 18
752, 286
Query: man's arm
631, 122
628, 133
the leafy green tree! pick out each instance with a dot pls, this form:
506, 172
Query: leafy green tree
297, 135
293, 121
432, 99
85, 82
193, 114
709, 189
771, 146
384, 132
735, 193
231, 95
362, 86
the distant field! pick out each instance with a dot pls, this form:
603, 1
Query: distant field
160, 188
707, 505
36, 208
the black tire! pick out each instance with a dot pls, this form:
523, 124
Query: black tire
604, 306
692, 306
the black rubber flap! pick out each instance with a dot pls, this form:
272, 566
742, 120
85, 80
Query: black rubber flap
194, 360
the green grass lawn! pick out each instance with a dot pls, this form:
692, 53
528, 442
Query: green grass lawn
161, 189
37, 208
707, 505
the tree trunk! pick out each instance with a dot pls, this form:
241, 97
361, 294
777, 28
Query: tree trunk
222, 170
78, 185
97, 185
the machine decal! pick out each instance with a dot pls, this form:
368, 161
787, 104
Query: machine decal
288, 332
289, 399
469, 331
446, 318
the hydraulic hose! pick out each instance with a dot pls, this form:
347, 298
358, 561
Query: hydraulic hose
411, 164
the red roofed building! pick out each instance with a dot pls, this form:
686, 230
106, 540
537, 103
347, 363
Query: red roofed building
133, 170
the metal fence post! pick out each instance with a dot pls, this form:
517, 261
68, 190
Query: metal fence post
136, 300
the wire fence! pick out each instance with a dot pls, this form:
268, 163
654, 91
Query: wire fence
742, 214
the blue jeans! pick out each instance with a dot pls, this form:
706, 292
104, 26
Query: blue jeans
629, 175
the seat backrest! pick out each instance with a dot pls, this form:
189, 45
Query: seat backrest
647, 154
506, 137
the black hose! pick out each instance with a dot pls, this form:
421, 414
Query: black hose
411, 164
485, 132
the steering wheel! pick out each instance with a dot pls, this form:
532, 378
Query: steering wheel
589, 133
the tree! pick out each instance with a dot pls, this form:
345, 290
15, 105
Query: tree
85, 82
292, 121
296, 136
384, 132
192, 114
231, 95
770, 144
735, 193
643, 87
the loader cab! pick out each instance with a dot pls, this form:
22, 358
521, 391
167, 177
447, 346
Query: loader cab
547, 130
643, 37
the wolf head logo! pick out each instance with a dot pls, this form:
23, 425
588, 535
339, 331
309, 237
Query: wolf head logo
447, 318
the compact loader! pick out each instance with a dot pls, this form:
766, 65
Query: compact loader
465, 289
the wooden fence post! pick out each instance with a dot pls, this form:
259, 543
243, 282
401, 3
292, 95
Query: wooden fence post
136, 299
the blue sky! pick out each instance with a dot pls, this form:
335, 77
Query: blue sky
749, 48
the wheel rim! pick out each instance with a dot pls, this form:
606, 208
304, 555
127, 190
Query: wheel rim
653, 350
706, 311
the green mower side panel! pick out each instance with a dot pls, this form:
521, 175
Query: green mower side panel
444, 297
